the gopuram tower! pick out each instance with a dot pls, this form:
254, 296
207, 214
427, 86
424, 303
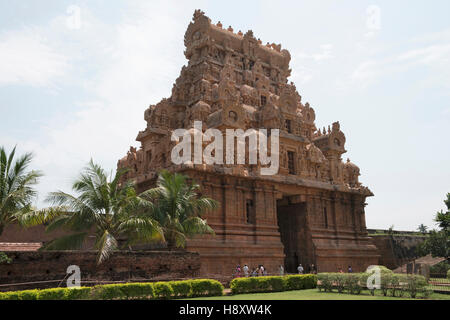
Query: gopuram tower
310, 212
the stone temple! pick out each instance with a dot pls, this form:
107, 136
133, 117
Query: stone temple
311, 212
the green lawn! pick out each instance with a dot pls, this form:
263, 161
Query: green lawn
314, 294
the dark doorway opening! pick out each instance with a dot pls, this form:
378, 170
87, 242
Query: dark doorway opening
291, 222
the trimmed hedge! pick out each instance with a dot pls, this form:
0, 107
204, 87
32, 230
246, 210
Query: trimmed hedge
137, 291
163, 290
108, 292
28, 295
157, 290
206, 287
273, 283
81, 293
181, 289
48, 294
52, 294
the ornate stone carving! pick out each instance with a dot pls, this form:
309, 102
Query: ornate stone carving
232, 80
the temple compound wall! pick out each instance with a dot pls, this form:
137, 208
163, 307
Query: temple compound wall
48, 269
311, 211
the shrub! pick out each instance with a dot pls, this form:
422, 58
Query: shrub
383, 269
81, 293
273, 283
28, 295
441, 268
11, 295
242, 285
277, 284
162, 290
301, 281
415, 284
339, 281
394, 285
325, 281
181, 289
385, 283
352, 283
108, 292
448, 274
206, 287
52, 294
4, 259
363, 278
137, 290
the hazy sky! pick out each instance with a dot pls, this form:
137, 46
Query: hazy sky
72, 89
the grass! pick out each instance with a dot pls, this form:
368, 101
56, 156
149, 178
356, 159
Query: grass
314, 294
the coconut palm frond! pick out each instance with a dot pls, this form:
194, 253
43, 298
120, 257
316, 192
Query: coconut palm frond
16, 186
31, 218
105, 245
70, 242
178, 208
141, 230
196, 225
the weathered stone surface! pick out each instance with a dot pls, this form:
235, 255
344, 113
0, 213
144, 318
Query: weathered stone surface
312, 211
396, 250
122, 266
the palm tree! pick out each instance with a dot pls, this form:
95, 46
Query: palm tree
112, 210
16, 187
422, 228
179, 209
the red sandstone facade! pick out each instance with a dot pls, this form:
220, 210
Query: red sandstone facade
312, 211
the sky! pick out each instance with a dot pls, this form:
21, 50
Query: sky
76, 77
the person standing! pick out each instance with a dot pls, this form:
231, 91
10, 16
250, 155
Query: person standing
238, 271
245, 269
260, 270
300, 269
350, 270
281, 270
313, 269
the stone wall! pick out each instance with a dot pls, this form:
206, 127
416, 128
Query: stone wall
122, 266
396, 250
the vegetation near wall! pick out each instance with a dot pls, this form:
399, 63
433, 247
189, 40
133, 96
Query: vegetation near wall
273, 284
126, 291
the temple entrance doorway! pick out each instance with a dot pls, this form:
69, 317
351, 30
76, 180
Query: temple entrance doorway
291, 222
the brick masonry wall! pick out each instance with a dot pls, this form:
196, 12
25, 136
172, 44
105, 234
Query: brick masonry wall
122, 266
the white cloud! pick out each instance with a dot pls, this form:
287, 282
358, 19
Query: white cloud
26, 58
137, 67
432, 51
325, 54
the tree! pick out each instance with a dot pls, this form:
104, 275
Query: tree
438, 241
443, 218
16, 186
102, 205
422, 228
179, 208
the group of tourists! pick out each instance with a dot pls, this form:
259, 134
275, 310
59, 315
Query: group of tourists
349, 270
246, 271
311, 269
